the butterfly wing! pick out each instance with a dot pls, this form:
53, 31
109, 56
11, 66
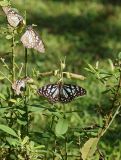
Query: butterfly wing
39, 45
31, 39
13, 17
50, 91
68, 92
28, 39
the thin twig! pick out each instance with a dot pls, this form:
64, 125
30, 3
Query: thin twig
114, 100
13, 57
6, 77
65, 74
116, 112
25, 100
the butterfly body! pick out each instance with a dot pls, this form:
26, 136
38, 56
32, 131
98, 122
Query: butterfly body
63, 93
31, 39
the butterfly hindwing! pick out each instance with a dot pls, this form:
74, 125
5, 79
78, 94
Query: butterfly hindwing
69, 92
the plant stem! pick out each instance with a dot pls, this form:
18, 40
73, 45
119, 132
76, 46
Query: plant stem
116, 112
25, 100
65, 74
66, 149
114, 100
110, 117
26, 62
13, 57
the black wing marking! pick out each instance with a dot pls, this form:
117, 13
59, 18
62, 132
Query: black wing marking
50, 91
69, 92
63, 93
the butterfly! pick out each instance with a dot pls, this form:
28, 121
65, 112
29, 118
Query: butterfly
13, 17
19, 85
31, 39
63, 93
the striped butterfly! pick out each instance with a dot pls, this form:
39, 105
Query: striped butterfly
13, 17
31, 39
63, 93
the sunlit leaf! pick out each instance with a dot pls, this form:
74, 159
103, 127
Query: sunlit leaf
12, 100
119, 55
8, 37
89, 148
4, 3
25, 140
2, 77
2, 96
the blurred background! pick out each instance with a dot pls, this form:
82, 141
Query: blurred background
85, 32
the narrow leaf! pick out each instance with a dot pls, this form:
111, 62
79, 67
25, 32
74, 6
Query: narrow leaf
36, 109
8, 130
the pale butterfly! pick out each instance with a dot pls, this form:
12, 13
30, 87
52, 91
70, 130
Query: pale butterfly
31, 39
19, 85
63, 93
13, 17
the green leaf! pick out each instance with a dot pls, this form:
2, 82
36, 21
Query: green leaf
2, 96
21, 122
2, 77
12, 141
8, 37
119, 55
111, 64
8, 130
61, 127
20, 111
91, 68
2, 110
4, 3
89, 148
25, 140
36, 109
12, 100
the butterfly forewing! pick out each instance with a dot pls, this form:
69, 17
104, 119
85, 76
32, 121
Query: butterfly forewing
28, 39
50, 91
63, 93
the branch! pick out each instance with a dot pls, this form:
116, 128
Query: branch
65, 74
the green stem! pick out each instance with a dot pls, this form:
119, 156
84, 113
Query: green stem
26, 62
66, 149
13, 57
25, 100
